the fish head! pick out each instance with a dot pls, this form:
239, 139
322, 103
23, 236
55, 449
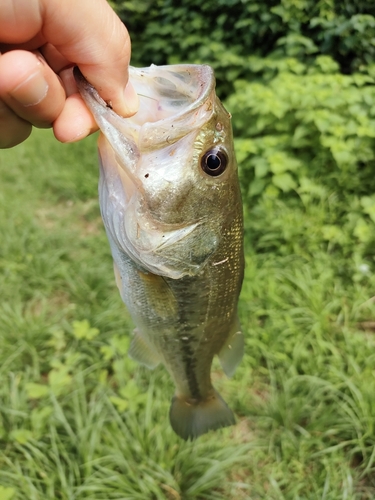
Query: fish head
169, 183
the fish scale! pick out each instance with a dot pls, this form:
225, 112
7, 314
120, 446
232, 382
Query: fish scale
171, 205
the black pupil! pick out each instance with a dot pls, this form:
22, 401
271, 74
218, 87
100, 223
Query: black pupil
213, 162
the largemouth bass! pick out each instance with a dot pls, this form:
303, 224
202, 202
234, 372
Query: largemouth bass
171, 205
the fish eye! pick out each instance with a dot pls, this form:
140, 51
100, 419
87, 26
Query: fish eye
214, 162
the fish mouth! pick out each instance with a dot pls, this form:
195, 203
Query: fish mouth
173, 101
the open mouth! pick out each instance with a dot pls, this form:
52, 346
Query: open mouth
165, 93
174, 100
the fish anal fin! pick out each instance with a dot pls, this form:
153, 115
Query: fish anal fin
232, 351
190, 420
142, 352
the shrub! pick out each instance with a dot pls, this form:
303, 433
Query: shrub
298, 77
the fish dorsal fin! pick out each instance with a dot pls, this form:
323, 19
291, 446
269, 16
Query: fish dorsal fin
232, 351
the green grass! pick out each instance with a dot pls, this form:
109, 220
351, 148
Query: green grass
80, 420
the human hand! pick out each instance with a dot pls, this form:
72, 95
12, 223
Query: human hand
40, 42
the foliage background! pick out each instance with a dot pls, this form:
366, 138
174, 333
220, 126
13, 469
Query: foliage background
297, 76
78, 419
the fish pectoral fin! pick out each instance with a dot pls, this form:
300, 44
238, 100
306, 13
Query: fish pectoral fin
190, 420
232, 351
142, 352
117, 276
159, 296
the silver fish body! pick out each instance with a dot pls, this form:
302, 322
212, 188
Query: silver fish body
171, 205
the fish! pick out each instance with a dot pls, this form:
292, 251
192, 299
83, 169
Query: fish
170, 200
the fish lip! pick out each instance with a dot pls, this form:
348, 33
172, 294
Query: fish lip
83, 84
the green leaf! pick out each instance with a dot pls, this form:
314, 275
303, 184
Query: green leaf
326, 64
120, 403
120, 343
59, 378
83, 330
333, 233
285, 182
363, 231
36, 391
39, 420
261, 167
368, 204
22, 436
257, 187
6, 493
280, 162
57, 340
107, 351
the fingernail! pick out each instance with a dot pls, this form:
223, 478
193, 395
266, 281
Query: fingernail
31, 91
131, 101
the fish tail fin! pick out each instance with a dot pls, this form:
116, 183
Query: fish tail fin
190, 420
